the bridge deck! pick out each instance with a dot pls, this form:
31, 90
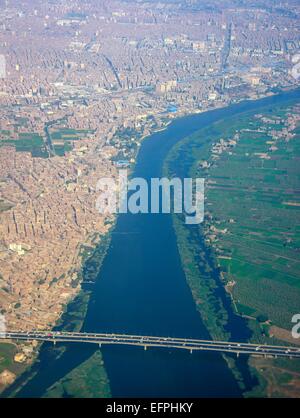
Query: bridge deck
151, 341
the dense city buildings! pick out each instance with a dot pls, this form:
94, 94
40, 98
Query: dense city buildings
81, 84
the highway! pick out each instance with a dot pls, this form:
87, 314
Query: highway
150, 341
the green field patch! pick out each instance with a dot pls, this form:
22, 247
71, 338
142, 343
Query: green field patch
88, 380
28, 142
61, 150
266, 296
4, 205
260, 196
62, 139
245, 310
7, 352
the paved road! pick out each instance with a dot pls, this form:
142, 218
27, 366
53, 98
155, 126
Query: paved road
150, 341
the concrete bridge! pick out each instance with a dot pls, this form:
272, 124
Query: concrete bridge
150, 341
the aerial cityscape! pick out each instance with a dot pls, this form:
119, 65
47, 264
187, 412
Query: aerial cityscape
138, 303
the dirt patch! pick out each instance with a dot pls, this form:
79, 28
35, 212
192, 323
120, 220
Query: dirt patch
281, 382
284, 335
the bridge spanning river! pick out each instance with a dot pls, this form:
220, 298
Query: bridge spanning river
150, 341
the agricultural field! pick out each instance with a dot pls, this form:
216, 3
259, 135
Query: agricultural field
9, 369
63, 139
4, 205
253, 200
249, 241
27, 142
88, 380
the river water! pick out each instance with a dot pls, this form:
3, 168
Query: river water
142, 290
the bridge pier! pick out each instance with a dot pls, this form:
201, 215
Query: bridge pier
145, 341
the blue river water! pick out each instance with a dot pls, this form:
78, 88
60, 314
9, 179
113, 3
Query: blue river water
142, 289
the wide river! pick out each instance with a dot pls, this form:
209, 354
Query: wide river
142, 289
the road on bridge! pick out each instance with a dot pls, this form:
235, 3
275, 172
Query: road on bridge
150, 341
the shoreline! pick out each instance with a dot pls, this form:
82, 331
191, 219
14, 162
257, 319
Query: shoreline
188, 247
112, 228
81, 301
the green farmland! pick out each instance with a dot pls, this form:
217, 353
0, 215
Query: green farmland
27, 142
251, 167
253, 197
250, 235
63, 139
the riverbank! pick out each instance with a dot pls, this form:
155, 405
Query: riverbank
88, 258
145, 292
202, 259
200, 267
72, 319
